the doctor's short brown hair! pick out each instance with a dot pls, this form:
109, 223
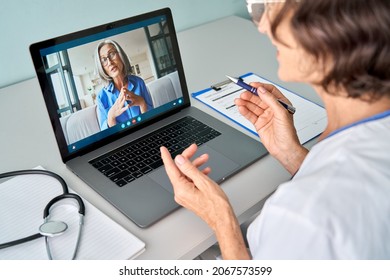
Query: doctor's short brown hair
353, 34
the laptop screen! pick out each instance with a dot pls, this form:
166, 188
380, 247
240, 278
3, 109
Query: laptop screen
106, 81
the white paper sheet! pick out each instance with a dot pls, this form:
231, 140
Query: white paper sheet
22, 201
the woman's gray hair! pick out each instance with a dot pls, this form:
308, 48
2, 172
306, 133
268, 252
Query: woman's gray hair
126, 62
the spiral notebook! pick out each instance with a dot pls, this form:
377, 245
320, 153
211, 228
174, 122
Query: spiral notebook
309, 119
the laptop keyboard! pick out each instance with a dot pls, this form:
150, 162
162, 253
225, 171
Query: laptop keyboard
133, 160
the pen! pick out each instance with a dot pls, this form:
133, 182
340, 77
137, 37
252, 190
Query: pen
253, 90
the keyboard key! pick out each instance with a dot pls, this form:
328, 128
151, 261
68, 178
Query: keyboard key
132, 169
177, 152
121, 183
113, 157
105, 168
138, 159
120, 176
123, 159
105, 161
146, 170
155, 158
123, 166
146, 148
112, 172
154, 152
140, 165
97, 164
129, 179
156, 164
115, 163
145, 155
137, 174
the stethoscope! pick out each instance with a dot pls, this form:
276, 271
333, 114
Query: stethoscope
49, 228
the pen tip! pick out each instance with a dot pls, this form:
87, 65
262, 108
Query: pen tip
230, 78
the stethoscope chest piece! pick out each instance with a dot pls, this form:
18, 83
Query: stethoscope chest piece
52, 228
49, 228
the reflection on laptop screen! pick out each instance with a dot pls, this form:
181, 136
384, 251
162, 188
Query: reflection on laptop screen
113, 80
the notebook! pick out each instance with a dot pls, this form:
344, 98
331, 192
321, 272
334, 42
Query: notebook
101, 237
110, 136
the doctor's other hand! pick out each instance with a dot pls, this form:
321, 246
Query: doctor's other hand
274, 124
193, 189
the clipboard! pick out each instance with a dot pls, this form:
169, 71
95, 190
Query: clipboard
310, 118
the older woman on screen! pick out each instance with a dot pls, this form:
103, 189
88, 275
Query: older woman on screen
124, 96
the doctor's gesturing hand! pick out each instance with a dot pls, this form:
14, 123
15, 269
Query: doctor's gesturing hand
274, 124
195, 191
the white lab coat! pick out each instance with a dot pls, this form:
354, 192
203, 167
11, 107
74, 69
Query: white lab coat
337, 206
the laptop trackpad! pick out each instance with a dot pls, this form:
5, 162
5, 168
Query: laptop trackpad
221, 167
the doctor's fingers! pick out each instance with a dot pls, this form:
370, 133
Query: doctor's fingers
251, 100
191, 171
201, 160
190, 151
270, 88
185, 191
250, 116
258, 107
170, 167
249, 110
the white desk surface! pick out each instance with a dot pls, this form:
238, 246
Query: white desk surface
229, 46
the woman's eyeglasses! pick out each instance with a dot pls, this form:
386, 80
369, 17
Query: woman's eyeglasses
110, 56
257, 8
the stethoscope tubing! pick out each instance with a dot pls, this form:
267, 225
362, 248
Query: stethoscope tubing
46, 211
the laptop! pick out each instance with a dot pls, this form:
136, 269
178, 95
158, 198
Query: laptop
121, 160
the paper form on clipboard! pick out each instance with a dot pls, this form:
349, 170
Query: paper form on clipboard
309, 119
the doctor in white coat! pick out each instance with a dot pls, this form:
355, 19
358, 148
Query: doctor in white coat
337, 205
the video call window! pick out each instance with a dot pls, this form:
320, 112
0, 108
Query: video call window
76, 82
